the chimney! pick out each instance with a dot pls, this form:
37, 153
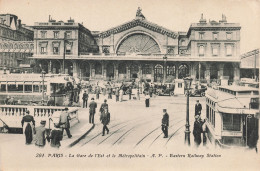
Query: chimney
202, 20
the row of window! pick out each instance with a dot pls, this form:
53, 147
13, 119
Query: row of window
216, 50
22, 88
215, 35
210, 114
56, 34
15, 35
55, 48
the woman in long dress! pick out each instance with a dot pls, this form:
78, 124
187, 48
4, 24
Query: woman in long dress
28, 125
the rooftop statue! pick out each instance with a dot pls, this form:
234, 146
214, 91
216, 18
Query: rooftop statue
139, 13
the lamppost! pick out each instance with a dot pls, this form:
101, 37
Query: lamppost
164, 68
187, 82
43, 76
64, 52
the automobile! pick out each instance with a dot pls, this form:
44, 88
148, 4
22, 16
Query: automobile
198, 91
164, 90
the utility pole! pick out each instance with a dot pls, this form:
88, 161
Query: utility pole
64, 52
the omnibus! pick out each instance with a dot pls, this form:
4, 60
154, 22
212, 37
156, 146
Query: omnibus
232, 115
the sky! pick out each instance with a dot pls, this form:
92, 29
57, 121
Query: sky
176, 15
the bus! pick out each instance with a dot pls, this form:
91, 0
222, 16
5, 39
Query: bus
232, 115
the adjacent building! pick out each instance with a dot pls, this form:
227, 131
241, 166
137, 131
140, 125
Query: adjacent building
16, 44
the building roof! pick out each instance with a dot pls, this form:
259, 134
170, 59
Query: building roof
239, 88
139, 22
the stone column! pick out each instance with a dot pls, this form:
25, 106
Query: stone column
127, 71
50, 67
104, 70
177, 71
192, 70
140, 73
207, 73
75, 68
92, 70
236, 73
152, 74
116, 70
221, 71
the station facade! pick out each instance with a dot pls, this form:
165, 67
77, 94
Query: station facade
140, 49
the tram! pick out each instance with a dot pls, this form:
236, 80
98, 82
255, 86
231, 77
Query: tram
41, 95
29, 89
232, 115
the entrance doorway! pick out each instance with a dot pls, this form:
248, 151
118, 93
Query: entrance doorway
134, 70
158, 73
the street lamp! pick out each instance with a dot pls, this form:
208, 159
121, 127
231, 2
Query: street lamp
164, 68
187, 82
43, 75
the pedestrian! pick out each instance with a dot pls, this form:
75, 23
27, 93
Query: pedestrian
97, 92
28, 125
204, 137
198, 108
105, 119
117, 94
103, 106
197, 130
147, 100
109, 93
85, 99
130, 92
64, 122
137, 94
253, 138
121, 92
165, 123
40, 139
55, 136
92, 110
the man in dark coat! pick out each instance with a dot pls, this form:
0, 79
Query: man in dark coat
85, 99
197, 130
165, 123
253, 138
130, 92
198, 108
117, 94
40, 134
28, 125
97, 92
92, 110
103, 106
64, 122
105, 119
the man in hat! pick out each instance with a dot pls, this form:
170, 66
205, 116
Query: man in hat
92, 110
55, 136
64, 122
103, 106
105, 119
197, 130
165, 123
40, 134
85, 99
198, 108
28, 125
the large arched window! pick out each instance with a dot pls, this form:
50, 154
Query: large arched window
171, 70
183, 71
138, 43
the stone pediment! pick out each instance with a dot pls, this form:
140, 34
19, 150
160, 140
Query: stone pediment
139, 22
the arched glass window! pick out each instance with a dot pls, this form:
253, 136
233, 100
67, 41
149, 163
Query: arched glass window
98, 69
122, 68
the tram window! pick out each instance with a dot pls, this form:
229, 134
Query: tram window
256, 93
207, 112
58, 88
15, 88
3, 87
36, 88
28, 88
231, 122
45, 88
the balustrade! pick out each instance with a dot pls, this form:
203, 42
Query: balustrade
12, 115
